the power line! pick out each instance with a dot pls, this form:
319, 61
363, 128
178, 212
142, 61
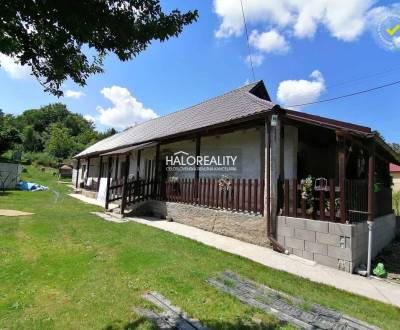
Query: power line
248, 43
365, 77
347, 95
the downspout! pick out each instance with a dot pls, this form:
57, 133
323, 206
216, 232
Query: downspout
371, 177
271, 236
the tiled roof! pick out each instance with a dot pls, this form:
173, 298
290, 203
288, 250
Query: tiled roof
394, 168
236, 104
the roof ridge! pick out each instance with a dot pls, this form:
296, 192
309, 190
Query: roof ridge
197, 104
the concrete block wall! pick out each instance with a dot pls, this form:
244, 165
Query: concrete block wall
341, 246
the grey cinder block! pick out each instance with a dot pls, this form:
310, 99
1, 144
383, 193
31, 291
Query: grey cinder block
307, 235
340, 229
294, 243
339, 253
316, 248
295, 222
308, 255
319, 226
286, 231
329, 239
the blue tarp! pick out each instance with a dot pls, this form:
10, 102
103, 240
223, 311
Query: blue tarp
29, 186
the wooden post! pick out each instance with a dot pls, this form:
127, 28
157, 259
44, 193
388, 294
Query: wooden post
286, 198
332, 211
196, 172
116, 166
77, 173
342, 177
88, 168
139, 152
125, 184
371, 182
156, 171
100, 170
294, 198
108, 182
267, 175
275, 147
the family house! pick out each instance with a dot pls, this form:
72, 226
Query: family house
242, 166
395, 172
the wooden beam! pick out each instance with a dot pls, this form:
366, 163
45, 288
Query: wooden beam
198, 141
100, 170
88, 168
342, 177
125, 184
156, 172
116, 166
371, 181
139, 152
77, 173
275, 147
108, 182
267, 172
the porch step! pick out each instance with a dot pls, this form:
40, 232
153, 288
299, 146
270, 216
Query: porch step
114, 214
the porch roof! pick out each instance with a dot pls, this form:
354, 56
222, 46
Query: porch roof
128, 149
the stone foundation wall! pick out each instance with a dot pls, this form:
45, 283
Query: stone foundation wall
341, 246
245, 227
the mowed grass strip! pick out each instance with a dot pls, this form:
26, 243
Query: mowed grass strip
64, 268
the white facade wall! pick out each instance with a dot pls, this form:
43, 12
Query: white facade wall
247, 144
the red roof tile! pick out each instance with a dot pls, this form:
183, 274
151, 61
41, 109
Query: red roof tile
394, 168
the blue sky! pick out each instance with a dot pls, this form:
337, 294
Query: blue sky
337, 45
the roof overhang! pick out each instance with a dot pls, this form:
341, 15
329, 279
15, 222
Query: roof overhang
123, 151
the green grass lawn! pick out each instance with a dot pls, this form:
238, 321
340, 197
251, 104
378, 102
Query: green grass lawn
64, 268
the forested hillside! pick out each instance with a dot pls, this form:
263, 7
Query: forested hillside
47, 135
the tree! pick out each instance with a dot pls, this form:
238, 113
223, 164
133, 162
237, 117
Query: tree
396, 147
109, 132
31, 139
60, 144
52, 37
9, 136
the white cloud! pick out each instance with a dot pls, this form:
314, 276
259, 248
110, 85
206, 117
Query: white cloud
126, 110
268, 42
74, 94
90, 118
13, 68
344, 19
256, 59
292, 92
256, 11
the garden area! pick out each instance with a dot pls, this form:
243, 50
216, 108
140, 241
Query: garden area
65, 268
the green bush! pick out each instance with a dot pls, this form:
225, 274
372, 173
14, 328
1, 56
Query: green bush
396, 202
41, 159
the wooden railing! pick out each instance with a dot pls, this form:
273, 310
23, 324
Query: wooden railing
115, 190
140, 190
317, 206
357, 200
244, 195
247, 195
383, 201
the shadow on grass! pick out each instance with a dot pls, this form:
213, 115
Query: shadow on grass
211, 324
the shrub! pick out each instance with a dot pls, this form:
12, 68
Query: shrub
41, 159
396, 202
